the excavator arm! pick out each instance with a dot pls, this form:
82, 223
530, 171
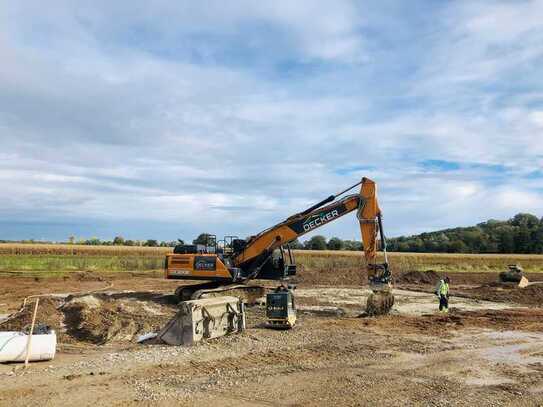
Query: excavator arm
259, 247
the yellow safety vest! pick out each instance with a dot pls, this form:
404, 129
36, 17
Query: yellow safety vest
443, 288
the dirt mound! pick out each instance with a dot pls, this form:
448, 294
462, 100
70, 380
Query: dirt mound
88, 276
48, 314
531, 295
339, 276
101, 319
97, 318
418, 277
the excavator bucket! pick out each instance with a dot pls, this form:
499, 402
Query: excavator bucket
523, 282
379, 303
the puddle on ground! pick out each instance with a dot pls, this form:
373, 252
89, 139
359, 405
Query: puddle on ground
406, 302
514, 335
487, 381
514, 347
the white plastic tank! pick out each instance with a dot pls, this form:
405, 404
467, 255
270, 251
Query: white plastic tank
13, 346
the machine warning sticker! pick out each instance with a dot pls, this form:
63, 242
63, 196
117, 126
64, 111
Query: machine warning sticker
205, 263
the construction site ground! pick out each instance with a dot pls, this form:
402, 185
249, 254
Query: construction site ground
488, 350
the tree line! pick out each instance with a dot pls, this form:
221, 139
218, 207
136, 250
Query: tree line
318, 242
121, 241
523, 233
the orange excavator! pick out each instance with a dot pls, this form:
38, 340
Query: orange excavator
228, 265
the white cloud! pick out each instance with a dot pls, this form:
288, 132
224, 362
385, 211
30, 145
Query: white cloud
233, 120
537, 118
510, 199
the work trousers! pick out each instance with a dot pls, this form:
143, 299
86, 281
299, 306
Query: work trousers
443, 302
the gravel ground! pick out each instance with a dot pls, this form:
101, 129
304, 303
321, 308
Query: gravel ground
490, 355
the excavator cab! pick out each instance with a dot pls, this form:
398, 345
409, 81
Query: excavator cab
280, 266
213, 261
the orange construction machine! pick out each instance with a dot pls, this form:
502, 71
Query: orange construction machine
230, 263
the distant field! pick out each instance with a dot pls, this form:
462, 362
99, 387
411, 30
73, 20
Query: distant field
54, 258
61, 258
439, 262
80, 250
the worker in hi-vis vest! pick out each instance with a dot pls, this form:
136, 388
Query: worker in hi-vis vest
442, 291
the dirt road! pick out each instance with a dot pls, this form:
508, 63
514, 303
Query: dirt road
489, 353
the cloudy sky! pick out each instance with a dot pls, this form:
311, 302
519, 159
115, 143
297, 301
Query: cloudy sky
168, 119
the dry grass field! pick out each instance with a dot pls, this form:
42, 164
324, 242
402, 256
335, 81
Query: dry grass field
79, 250
61, 258
439, 262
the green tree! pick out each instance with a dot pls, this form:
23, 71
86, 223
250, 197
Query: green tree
538, 239
203, 238
506, 239
521, 234
296, 245
458, 246
523, 240
403, 247
316, 243
118, 241
352, 245
151, 243
525, 220
335, 243
416, 245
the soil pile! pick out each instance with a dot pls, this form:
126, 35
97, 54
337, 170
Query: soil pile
88, 276
419, 277
97, 318
531, 295
100, 319
339, 276
48, 314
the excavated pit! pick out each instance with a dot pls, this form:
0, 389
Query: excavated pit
120, 317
